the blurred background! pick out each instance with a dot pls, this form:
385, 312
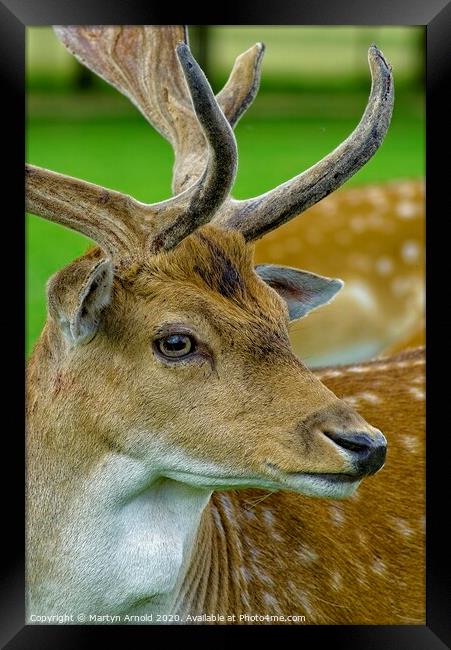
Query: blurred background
314, 88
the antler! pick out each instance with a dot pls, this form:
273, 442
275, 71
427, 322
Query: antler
243, 83
257, 216
127, 57
153, 67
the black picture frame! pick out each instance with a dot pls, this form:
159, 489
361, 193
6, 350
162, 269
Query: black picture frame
15, 15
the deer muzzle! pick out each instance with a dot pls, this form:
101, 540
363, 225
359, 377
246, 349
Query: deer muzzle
367, 452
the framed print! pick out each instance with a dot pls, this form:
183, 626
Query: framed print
202, 452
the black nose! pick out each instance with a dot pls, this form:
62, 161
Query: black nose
368, 451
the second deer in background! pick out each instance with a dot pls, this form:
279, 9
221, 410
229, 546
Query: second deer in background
373, 238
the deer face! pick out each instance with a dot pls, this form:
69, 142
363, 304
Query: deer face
174, 347
192, 372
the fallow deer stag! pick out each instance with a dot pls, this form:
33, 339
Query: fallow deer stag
164, 374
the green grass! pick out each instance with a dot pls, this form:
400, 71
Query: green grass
127, 155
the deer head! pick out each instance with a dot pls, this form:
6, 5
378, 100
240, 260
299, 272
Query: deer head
166, 344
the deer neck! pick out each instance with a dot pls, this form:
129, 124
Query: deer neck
122, 544
130, 544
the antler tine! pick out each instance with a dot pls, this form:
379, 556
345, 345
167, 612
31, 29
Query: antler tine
243, 83
234, 99
179, 216
257, 216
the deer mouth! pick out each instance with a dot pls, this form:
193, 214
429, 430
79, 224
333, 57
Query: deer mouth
332, 485
333, 478
329, 486
337, 485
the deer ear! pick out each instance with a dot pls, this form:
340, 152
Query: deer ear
301, 290
78, 294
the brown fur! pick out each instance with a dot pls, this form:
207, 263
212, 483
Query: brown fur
246, 403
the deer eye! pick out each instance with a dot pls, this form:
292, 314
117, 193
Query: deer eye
175, 346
